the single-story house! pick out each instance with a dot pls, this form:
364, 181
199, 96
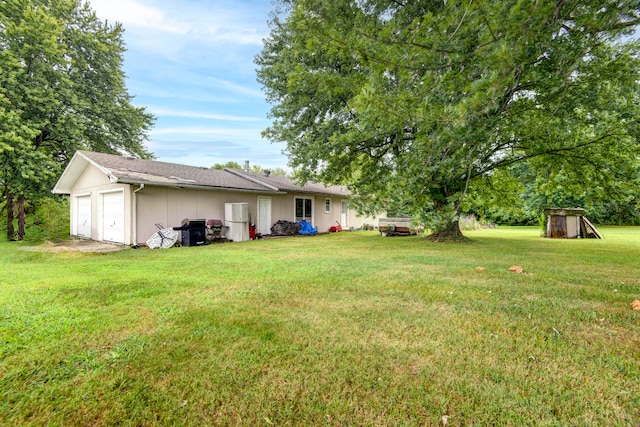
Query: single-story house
121, 199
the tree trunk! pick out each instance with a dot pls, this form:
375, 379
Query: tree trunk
21, 216
10, 217
446, 228
450, 232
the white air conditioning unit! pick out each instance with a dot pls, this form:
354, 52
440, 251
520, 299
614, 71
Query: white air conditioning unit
236, 218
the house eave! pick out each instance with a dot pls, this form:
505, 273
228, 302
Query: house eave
74, 169
182, 185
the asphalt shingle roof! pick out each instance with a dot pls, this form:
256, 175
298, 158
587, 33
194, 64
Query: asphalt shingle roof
130, 170
136, 171
284, 183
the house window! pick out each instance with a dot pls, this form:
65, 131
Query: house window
327, 206
304, 209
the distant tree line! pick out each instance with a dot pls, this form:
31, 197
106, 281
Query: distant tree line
519, 194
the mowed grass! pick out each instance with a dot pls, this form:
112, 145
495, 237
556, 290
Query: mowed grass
346, 329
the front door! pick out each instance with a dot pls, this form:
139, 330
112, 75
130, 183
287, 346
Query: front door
264, 216
113, 217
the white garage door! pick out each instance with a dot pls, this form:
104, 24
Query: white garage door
113, 217
83, 216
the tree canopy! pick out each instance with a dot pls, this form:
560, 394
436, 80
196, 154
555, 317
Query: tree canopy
412, 104
517, 195
61, 89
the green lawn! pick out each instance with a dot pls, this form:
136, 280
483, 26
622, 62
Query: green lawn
342, 329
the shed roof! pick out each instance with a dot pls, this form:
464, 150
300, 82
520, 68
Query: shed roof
130, 170
564, 211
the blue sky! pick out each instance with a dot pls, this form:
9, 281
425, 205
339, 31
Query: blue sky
190, 63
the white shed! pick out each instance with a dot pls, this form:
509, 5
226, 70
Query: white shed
569, 223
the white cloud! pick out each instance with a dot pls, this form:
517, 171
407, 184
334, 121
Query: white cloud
135, 14
160, 111
208, 132
236, 88
213, 24
157, 93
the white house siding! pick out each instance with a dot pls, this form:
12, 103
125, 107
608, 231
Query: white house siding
169, 206
152, 209
324, 221
283, 208
357, 221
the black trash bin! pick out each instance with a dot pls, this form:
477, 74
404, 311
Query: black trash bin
193, 232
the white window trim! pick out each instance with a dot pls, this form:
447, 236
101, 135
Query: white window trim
328, 211
312, 206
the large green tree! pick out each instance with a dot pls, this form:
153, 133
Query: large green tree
410, 103
61, 89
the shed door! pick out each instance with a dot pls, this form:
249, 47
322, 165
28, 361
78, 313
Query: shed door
83, 216
113, 217
264, 215
559, 226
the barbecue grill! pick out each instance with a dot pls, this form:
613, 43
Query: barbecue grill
192, 232
213, 231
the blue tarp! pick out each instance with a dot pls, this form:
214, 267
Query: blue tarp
307, 228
